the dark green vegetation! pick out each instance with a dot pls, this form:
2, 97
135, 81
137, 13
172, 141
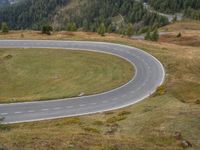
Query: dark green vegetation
41, 74
152, 36
30, 13
46, 29
4, 28
87, 15
190, 8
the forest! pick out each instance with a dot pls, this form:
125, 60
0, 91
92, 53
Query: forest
33, 14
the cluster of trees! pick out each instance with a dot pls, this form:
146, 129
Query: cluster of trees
192, 13
189, 7
96, 12
30, 13
95, 15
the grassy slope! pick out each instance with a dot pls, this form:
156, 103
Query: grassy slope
39, 74
190, 33
150, 124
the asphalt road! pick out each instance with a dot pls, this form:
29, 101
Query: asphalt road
149, 75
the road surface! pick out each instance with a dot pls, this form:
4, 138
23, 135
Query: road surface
149, 75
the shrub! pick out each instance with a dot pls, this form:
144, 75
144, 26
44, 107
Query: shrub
90, 129
124, 113
197, 101
46, 29
179, 35
73, 121
115, 119
160, 91
71, 26
99, 123
4, 127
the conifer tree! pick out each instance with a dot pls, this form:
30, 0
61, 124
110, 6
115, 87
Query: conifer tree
102, 29
4, 27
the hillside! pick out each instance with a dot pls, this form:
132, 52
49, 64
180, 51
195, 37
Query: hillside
169, 119
190, 8
86, 14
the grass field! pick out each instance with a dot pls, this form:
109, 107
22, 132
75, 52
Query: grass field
41, 74
165, 121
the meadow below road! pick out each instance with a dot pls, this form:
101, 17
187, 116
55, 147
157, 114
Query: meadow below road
43, 74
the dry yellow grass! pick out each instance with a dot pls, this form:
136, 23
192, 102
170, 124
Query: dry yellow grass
182, 26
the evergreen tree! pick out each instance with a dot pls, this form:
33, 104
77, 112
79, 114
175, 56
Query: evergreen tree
71, 26
130, 30
109, 28
4, 27
148, 36
155, 35
102, 29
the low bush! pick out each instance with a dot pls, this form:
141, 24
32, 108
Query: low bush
124, 113
99, 123
115, 119
73, 121
90, 129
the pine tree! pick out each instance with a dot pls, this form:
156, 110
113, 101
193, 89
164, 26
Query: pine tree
74, 27
130, 30
148, 36
4, 27
102, 29
109, 29
155, 35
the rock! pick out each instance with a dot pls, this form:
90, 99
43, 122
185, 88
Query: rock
197, 101
186, 144
71, 146
81, 94
178, 135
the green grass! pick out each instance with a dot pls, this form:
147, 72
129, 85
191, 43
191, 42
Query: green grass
42, 74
